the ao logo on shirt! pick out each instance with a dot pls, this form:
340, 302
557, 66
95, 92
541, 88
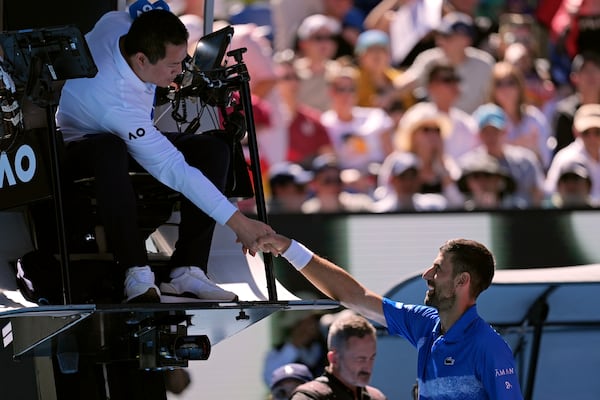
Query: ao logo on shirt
139, 132
141, 6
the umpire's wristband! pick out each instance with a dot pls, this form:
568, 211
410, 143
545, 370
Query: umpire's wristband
298, 255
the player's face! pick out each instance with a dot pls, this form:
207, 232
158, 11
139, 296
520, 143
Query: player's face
441, 292
354, 365
163, 72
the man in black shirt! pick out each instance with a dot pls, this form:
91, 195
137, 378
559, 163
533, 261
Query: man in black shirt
352, 344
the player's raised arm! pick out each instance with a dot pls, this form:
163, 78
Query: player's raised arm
329, 278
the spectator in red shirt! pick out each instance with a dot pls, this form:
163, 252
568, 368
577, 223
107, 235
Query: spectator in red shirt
307, 137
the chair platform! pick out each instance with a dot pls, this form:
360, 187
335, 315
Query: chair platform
151, 333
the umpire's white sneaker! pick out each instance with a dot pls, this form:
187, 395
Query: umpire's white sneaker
140, 287
193, 282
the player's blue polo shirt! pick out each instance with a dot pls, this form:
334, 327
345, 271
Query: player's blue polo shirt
470, 362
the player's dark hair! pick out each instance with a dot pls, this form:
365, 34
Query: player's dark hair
475, 259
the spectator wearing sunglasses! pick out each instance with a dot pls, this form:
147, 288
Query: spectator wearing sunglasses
401, 192
306, 137
422, 131
288, 184
585, 147
317, 47
328, 191
442, 93
527, 125
376, 75
359, 135
454, 44
520, 162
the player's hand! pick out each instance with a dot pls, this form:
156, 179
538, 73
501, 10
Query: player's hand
273, 243
248, 231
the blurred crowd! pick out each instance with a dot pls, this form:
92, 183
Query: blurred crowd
421, 105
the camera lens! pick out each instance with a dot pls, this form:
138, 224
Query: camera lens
192, 347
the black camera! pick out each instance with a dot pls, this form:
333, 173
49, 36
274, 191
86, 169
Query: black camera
163, 343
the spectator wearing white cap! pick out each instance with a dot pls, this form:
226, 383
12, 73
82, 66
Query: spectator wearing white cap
586, 147
401, 192
288, 14
317, 24
573, 188
316, 49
